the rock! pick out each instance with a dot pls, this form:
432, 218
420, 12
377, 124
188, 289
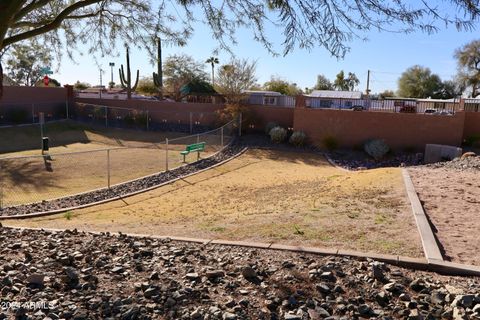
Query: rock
192, 276
289, 316
364, 310
382, 299
476, 309
417, 285
377, 271
437, 297
249, 273
117, 270
215, 274
464, 301
323, 288
467, 155
150, 292
170, 302
36, 279
229, 316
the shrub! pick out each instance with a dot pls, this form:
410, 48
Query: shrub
330, 143
376, 148
270, 126
472, 141
18, 116
278, 134
298, 138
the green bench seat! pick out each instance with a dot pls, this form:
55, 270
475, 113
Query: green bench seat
196, 147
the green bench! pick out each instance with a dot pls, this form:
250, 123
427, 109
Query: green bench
196, 147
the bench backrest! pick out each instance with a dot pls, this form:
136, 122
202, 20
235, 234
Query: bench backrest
196, 146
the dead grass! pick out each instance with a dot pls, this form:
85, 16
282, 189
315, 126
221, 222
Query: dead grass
79, 159
292, 198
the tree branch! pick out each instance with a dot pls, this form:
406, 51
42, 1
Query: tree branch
50, 26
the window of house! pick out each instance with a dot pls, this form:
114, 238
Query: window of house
269, 100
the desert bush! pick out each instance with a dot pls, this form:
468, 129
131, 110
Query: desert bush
270, 125
298, 138
18, 116
376, 148
330, 143
278, 134
472, 141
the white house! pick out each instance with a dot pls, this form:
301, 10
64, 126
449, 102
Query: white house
269, 98
334, 99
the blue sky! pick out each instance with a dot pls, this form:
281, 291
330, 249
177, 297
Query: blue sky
387, 55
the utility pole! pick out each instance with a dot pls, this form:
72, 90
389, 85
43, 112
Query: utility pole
101, 83
111, 64
368, 84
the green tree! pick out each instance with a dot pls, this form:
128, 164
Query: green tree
282, 86
468, 61
306, 23
386, 94
323, 83
419, 82
178, 71
234, 78
25, 61
147, 87
81, 85
348, 83
213, 61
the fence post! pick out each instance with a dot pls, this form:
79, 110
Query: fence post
191, 124
240, 125
166, 154
106, 115
148, 120
222, 136
198, 138
33, 113
108, 168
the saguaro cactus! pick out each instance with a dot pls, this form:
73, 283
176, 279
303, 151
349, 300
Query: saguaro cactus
126, 82
158, 77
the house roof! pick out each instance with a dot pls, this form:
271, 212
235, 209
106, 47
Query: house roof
335, 94
262, 92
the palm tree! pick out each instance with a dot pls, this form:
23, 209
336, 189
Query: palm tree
213, 61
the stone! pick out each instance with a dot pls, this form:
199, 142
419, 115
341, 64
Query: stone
229, 316
464, 301
468, 155
215, 274
192, 276
323, 288
377, 271
36, 279
249, 273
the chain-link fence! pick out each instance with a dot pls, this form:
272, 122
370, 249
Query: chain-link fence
143, 119
27, 113
29, 179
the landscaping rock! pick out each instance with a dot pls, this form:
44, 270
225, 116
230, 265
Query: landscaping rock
194, 281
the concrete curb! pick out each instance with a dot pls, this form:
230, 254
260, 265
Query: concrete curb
429, 242
52, 212
441, 267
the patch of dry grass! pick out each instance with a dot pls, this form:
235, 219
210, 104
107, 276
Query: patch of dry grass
79, 159
293, 198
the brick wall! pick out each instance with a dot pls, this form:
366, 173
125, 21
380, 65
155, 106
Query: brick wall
33, 95
400, 130
472, 124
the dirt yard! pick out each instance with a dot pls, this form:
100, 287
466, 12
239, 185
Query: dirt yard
451, 199
285, 197
79, 159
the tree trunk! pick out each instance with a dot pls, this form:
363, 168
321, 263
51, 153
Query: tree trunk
1, 80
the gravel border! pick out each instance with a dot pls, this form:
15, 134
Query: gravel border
118, 191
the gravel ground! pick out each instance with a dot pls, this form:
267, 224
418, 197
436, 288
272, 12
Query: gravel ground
464, 163
84, 276
121, 189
